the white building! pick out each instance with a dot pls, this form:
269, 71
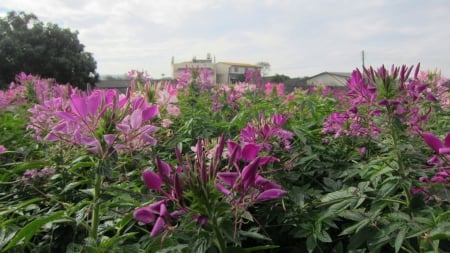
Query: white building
222, 72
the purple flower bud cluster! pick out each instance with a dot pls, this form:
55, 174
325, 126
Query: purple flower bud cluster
37, 176
378, 97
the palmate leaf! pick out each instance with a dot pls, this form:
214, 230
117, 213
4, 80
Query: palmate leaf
28, 231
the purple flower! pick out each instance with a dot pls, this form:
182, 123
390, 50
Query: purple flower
2, 149
229, 178
432, 141
271, 194
144, 214
249, 173
250, 151
152, 180
159, 225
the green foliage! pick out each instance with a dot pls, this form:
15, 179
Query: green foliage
28, 45
339, 199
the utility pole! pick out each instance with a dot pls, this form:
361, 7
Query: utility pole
363, 59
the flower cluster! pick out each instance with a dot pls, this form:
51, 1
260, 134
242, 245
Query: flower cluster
101, 121
271, 89
245, 186
199, 76
383, 93
36, 176
29, 88
263, 133
230, 95
439, 162
188, 189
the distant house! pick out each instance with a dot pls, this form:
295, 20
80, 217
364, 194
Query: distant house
330, 79
121, 85
233, 72
194, 64
222, 72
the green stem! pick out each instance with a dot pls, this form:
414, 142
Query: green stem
96, 206
401, 165
220, 242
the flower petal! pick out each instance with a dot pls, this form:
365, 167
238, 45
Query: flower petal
266, 184
149, 113
249, 173
109, 138
250, 151
159, 225
447, 140
152, 180
433, 142
136, 119
93, 103
163, 168
144, 214
78, 105
228, 177
271, 194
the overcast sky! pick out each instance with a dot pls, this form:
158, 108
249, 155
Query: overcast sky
298, 38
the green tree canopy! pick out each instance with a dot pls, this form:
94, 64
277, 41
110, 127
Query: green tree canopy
265, 67
28, 45
279, 78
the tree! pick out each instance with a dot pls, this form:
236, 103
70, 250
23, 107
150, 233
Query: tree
28, 45
265, 67
277, 78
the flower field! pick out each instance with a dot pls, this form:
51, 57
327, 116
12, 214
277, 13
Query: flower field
192, 166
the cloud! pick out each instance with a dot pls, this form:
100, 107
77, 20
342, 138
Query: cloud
297, 37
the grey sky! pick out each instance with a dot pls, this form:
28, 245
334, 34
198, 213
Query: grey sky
298, 37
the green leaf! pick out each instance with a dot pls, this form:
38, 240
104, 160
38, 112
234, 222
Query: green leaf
79, 165
29, 165
354, 215
73, 185
339, 195
259, 248
355, 227
254, 235
399, 239
323, 236
178, 248
21, 205
441, 232
311, 244
27, 232
6, 233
